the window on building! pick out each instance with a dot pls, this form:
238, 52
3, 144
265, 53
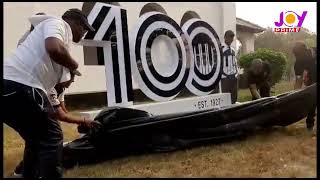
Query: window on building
87, 6
188, 15
93, 55
152, 7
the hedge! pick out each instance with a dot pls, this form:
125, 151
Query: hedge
277, 61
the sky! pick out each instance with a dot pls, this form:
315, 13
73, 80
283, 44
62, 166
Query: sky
265, 14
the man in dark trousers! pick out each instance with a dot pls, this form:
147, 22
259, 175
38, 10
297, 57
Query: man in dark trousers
229, 81
305, 62
311, 78
33, 69
259, 79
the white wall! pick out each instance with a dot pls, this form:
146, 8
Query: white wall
247, 41
221, 16
229, 20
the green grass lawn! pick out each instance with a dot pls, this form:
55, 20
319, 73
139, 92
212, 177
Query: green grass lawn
276, 152
279, 88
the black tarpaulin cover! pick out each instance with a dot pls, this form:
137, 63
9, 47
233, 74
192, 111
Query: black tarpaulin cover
123, 131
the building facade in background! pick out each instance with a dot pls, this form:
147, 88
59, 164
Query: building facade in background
220, 15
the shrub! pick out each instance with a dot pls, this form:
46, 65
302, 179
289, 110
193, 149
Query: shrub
277, 61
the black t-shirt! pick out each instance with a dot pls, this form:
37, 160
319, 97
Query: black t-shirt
262, 77
299, 66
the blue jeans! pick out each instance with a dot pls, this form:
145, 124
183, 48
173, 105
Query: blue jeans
28, 111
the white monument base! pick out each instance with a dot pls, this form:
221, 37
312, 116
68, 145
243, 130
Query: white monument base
192, 104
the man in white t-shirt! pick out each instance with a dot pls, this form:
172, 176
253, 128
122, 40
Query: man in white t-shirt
34, 68
23, 37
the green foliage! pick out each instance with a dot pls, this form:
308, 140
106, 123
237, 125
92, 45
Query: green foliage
277, 61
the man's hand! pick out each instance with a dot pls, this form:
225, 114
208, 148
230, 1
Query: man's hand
254, 91
76, 72
87, 122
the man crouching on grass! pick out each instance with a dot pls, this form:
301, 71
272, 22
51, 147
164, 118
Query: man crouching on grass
259, 79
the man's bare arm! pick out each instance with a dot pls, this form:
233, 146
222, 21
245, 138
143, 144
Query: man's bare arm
63, 106
62, 116
298, 83
59, 53
254, 91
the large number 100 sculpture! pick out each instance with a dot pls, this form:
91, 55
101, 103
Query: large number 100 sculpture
196, 44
